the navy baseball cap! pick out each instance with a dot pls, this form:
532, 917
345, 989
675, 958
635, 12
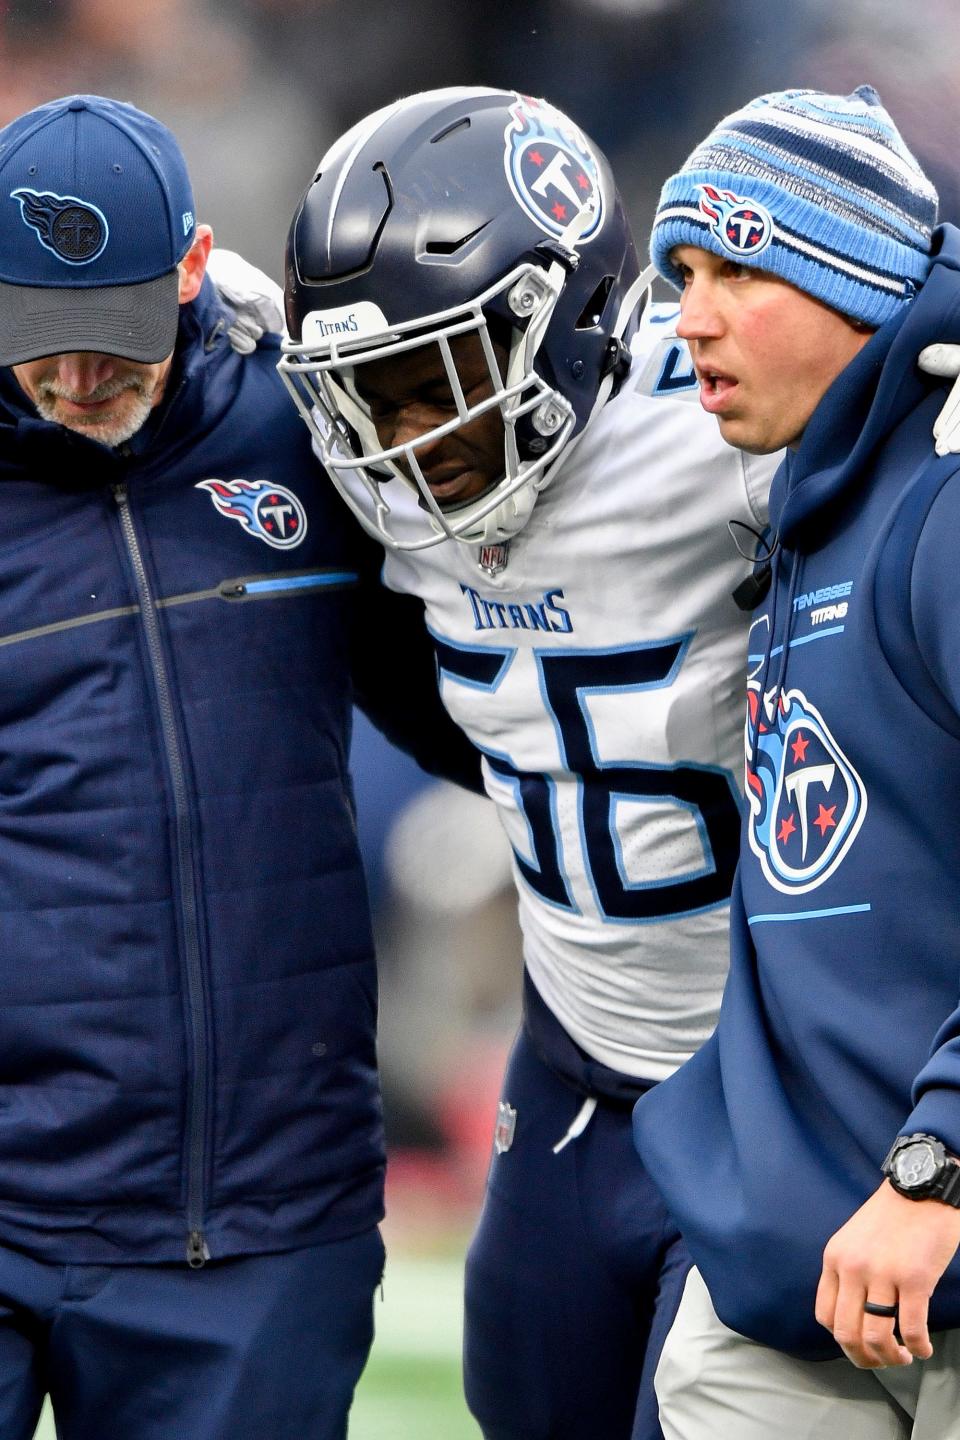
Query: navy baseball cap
96, 211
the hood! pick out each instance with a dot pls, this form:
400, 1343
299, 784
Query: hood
202, 382
868, 400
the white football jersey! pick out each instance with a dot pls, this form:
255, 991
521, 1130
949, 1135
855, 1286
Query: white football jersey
601, 674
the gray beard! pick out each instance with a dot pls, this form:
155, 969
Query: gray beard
109, 432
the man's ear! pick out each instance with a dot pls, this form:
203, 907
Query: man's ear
193, 265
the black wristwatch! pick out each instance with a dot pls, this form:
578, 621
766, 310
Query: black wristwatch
919, 1167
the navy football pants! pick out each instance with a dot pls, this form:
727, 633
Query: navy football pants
573, 1277
267, 1347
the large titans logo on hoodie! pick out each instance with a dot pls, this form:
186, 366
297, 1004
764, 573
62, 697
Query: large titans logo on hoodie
807, 802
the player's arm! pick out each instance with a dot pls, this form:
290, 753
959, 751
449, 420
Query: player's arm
395, 677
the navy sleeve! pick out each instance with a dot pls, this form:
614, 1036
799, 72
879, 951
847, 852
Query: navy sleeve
395, 678
935, 617
933, 591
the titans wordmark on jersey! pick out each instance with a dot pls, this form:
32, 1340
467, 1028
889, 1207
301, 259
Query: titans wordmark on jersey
600, 672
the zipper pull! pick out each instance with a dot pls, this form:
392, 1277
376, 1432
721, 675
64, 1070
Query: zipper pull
197, 1252
120, 492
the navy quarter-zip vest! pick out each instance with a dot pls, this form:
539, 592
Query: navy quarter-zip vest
187, 984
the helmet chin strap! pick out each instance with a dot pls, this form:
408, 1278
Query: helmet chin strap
639, 288
632, 298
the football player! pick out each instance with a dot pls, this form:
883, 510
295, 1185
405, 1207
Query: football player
499, 402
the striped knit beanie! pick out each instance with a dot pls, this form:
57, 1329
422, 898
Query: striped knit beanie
818, 189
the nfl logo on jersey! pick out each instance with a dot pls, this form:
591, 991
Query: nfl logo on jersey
505, 1128
493, 558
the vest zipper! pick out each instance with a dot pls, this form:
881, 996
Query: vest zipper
197, 1253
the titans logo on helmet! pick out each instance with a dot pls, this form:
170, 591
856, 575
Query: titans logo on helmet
550, 168
807, 802
74, 230
743, 226
271, 512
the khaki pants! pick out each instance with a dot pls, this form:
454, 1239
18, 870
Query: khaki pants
713, 1384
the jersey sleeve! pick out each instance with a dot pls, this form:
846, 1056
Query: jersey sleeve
395, 677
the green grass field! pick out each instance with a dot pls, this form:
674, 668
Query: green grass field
411, 1387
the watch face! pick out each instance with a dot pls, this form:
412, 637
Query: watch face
915, 1165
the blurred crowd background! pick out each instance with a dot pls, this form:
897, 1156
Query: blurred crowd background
255, 90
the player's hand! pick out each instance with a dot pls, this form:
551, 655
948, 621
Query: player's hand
892, 1251
944, 360
255, 299
941, 360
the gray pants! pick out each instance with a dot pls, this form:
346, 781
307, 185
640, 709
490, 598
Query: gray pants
713, 1384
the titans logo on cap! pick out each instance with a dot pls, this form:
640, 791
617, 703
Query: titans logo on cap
743, 226
807, 802
550, 168
72, 229
271, 512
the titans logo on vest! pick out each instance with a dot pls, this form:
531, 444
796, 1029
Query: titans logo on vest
270, 512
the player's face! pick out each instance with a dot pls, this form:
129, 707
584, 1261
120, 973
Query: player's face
765, 352
410, 395
101, 396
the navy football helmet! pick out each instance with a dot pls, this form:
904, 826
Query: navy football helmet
456, 212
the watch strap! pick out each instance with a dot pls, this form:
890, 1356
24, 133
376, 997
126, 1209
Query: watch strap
946, 1187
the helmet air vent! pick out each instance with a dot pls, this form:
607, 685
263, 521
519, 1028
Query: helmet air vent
341, 222
450, 247
592, 312
462, 124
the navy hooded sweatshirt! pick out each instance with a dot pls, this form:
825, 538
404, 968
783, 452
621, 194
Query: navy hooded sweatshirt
840, 1026
187, 984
